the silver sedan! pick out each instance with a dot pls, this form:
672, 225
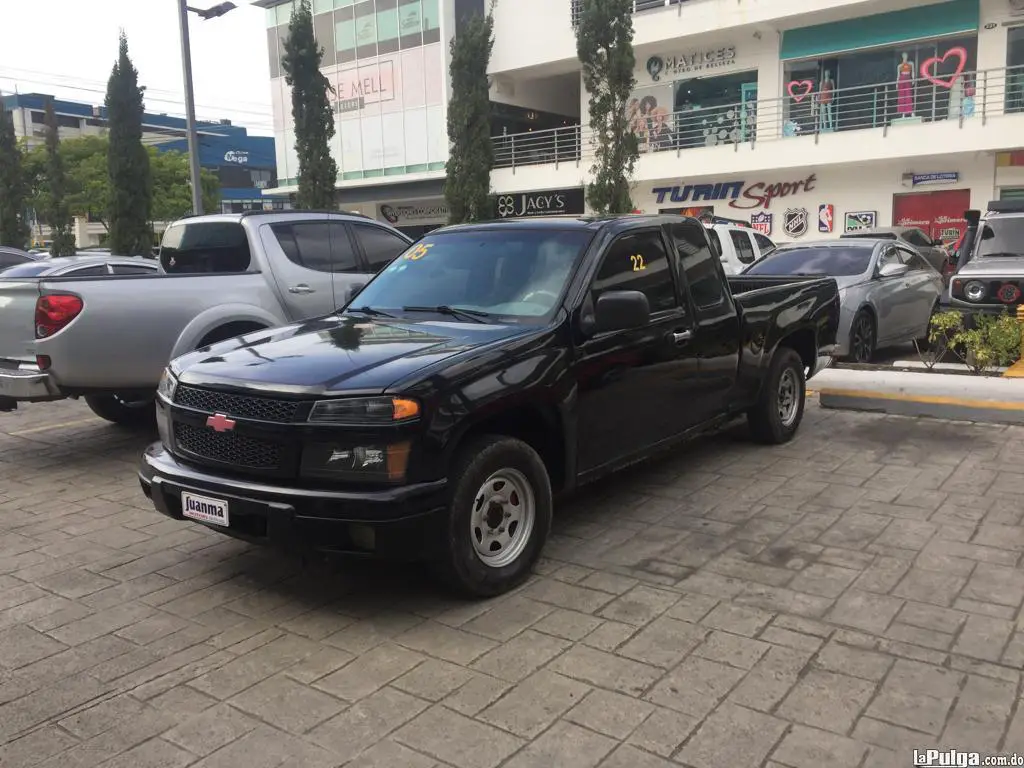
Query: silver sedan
887, 291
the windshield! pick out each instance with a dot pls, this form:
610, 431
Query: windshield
828, 261
1001, 237
30, 269
517, 273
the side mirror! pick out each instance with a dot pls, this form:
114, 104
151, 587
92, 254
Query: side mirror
620, 311
893, 270
353, 291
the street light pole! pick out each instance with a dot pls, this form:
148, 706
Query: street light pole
190, 111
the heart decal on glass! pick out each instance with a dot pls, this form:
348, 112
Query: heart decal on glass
800, 89
929, 65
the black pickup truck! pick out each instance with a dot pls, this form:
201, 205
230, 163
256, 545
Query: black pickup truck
487, 369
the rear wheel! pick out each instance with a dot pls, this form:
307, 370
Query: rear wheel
780, 406
862, 337
125, 412
498, 517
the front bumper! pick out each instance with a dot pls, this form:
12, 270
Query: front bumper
25, 382
394, 523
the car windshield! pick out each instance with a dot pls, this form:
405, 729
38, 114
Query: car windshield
29, 269
829, 261
1001, 237
514, 273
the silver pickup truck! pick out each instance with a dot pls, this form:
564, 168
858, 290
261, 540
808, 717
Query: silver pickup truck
108, 339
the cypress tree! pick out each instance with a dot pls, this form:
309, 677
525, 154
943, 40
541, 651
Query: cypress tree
467, 188
311, 112
604, 45
131, 184
13, 230
57, 214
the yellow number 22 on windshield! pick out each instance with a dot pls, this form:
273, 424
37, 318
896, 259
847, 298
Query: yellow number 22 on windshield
419, 251
638, 262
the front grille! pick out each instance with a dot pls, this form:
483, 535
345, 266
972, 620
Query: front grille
227, 447
241, 406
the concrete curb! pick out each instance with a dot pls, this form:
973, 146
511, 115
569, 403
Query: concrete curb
994, 400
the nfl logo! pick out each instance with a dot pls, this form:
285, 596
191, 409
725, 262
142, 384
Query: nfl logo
826, 217
762, 222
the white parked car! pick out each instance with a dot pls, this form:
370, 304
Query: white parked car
739, 246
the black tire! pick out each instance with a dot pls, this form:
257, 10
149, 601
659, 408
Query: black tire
457, 562
772, 421
863, 337
924, 343
134, 414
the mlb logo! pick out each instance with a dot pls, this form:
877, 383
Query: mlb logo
762, 222
826, 218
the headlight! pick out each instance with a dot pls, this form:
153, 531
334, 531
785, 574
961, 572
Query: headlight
974, 290
368, 463
167, 385
365, 411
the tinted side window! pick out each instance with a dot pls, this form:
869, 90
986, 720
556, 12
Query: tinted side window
319, 245
9, 260
380, 246
638, 262
915, 261
716, 243
99, 270
764, 245
128, 269
698, 264
196, 247
889, 256
916, 237
744, 250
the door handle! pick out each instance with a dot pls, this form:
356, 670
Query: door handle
681, 337
301, 288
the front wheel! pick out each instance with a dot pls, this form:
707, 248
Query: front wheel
862, 337
135, 414
780, 406
498, 517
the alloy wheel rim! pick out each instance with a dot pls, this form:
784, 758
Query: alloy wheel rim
503, 516
788, 397
862, 340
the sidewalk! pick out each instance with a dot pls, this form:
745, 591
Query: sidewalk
996, 400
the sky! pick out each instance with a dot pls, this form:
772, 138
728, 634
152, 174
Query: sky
67, 48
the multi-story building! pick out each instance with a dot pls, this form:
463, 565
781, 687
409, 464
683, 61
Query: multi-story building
245, 165
805, 119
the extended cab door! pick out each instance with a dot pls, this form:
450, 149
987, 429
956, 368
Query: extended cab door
633, 384
305, 256
716, 332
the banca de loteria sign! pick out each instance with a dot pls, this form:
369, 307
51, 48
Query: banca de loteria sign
740, 194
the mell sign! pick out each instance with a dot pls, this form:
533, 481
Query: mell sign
549, 203
740, 194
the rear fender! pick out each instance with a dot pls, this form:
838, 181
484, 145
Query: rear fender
216, 317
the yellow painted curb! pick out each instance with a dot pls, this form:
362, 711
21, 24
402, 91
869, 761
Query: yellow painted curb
931, 399
1015, 371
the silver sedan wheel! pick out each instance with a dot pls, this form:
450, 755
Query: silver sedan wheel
788, 397
504, 512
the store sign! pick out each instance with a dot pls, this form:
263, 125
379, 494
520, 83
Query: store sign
931, 179
740, 194
795, 222
762, 222
549, 203
826, 217
858, 220
399, 215
236, 156
364, 85
694, 61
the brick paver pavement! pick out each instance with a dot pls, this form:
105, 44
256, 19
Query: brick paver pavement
838, 601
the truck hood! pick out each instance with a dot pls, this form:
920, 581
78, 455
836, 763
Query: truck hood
335, 353
993, 266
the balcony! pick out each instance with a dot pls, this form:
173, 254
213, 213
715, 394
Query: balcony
576, 6
977, 112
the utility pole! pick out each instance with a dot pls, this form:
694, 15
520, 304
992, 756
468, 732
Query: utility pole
190, 112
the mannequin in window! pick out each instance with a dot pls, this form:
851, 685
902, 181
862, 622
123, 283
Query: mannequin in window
905, 76
826, 115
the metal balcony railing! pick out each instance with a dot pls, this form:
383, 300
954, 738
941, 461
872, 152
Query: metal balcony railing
576, 7
970, 97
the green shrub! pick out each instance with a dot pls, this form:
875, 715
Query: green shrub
994, 341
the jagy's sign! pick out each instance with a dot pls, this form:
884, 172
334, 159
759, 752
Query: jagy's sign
550, 203
740, 194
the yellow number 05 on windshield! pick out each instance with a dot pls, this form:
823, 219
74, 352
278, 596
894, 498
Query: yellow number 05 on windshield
419, 251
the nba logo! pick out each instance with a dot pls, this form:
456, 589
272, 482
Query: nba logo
826, 215
761, 222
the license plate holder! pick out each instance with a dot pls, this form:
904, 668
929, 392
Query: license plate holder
205, 509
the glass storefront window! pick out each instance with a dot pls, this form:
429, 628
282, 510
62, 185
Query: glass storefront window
322, 6
410, 23
1015, 69
345, 34
431, 21
387, 26
366, 30
881, 86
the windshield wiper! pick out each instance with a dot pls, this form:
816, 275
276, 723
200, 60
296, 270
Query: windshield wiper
369, 311
475, 315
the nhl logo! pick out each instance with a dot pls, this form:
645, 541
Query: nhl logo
762, 222
794, 221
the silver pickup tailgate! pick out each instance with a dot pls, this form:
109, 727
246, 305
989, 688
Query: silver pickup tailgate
17, 320
128, 326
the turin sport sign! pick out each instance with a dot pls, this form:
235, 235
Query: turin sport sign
740, 194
